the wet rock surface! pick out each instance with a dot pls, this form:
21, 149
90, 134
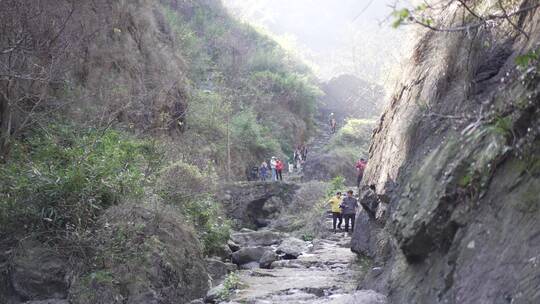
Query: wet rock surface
248, 255
218, 269
321, 271
292, 248
256, 238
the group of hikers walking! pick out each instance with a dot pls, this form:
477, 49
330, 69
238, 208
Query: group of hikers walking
275, 168
344, 208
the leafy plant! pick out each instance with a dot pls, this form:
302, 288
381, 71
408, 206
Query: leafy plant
186, 188
525, 60
400, 16
61, 178
232, 282
336, 184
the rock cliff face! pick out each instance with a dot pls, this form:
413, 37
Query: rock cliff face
455, 160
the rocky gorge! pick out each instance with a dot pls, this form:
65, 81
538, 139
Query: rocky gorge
454, 162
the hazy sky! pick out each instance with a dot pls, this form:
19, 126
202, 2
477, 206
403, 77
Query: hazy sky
337, 36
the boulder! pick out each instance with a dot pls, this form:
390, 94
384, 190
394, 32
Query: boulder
233, 246
214, 294
267, 259
256, 238
218, 269
249, 254
223, 253
365, 241
249, 266
364, 297
292, 248
38, 272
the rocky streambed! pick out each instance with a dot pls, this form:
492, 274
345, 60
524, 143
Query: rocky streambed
275, 267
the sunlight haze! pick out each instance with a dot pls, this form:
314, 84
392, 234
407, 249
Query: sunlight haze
334, 37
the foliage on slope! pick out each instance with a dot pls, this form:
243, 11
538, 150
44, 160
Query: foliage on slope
179, 68
103, 102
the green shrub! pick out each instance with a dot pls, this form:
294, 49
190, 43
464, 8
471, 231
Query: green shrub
62, 178
251, 137
355, 132
186, 188
232, 282
336, 184
206, 216
182, 181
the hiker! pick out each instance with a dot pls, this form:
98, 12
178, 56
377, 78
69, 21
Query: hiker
304, 153
296, 157
279, 170
273, 163
333, 123
291, 167
360, 167
263, 171
348, 209
254, 173
334, 203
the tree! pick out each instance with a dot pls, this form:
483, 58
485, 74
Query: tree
33, 44
425, 14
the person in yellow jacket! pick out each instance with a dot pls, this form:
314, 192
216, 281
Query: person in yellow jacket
335, 203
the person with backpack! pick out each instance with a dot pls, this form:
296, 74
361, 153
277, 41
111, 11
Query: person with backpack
279, 170
273, 163
335, 203
360, 167
263, 171
348, 210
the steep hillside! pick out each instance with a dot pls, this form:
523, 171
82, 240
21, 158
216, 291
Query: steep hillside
183, 69
455, 161
117, 120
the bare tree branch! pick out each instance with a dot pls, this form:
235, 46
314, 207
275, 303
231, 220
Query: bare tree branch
483, 20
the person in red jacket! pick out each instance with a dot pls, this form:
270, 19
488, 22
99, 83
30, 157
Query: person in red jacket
360, 167
279, 169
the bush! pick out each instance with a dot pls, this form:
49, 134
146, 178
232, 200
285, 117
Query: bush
355, 132
336, 184
61, 178
206, 216
182, 181
249, 137
232, 282
186, 188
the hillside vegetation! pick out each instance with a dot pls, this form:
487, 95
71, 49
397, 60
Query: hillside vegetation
143, 104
